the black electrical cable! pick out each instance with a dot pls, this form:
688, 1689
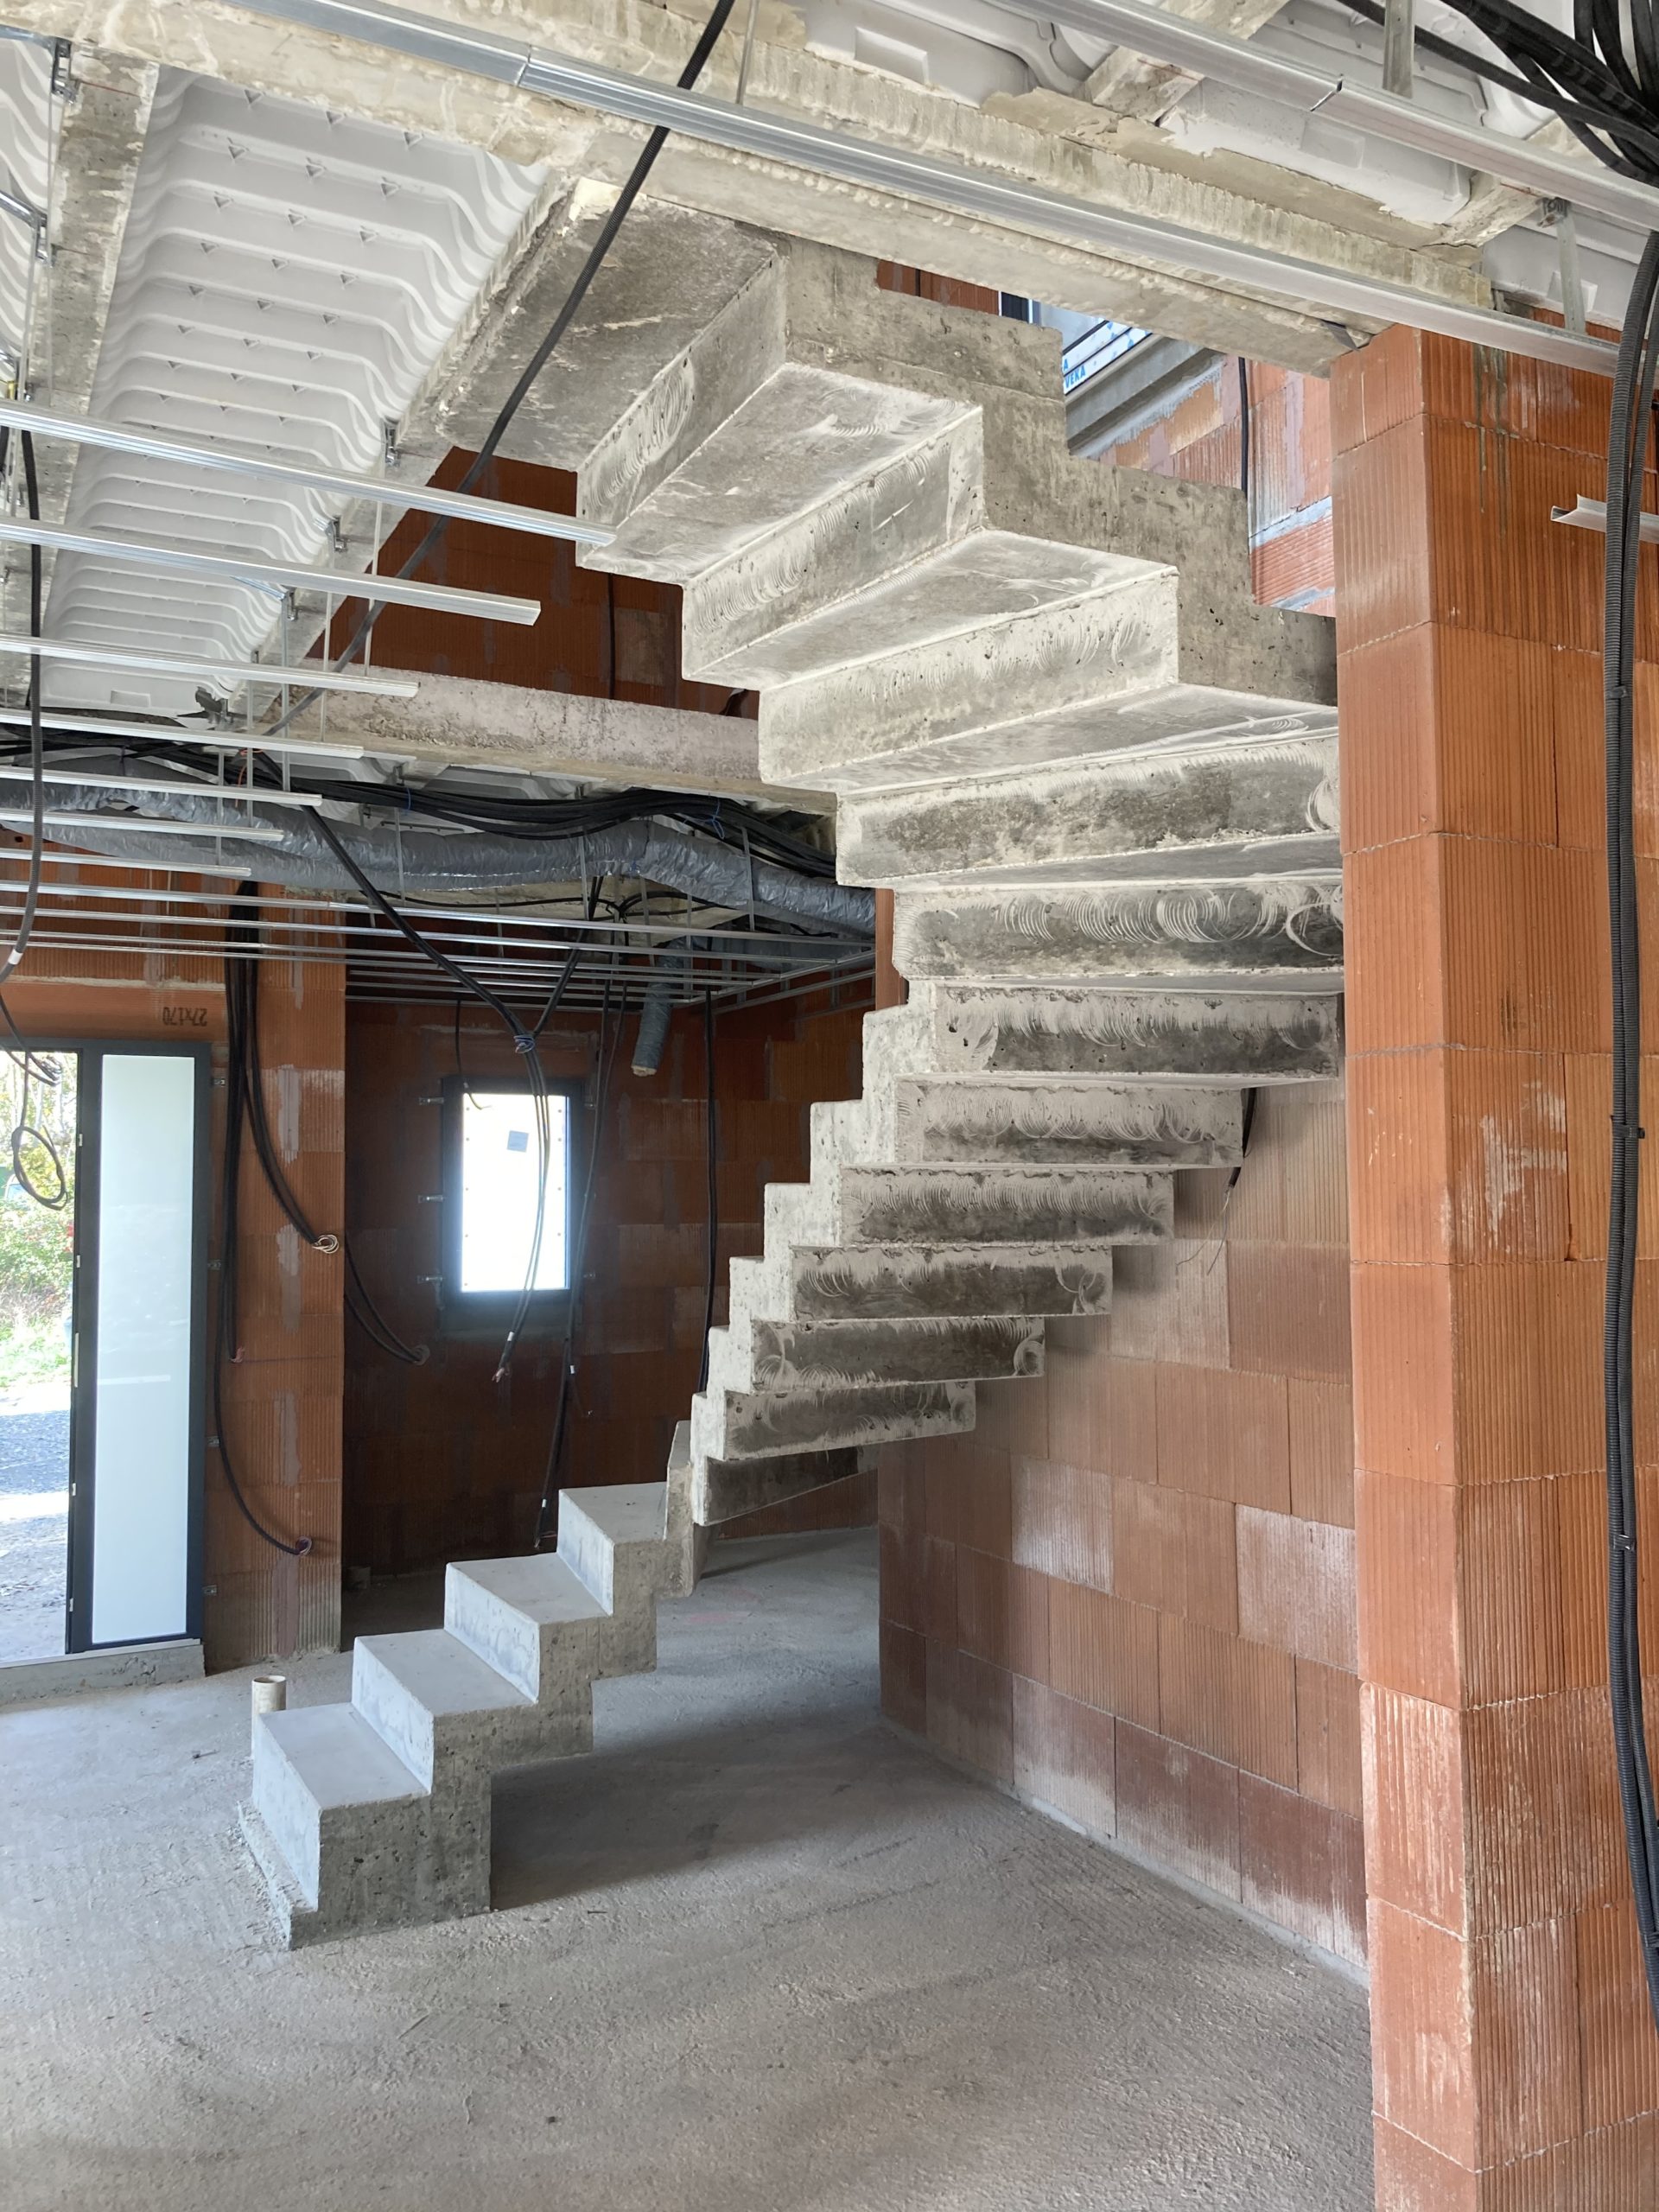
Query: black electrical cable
1244, 435
525, 1043
712, 1145
242, 1003
590, 268
1633, 390
604, 1063
226, 1316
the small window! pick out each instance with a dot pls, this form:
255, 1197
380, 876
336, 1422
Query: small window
493, 1161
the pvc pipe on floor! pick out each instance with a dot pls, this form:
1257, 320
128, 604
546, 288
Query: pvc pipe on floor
269, 1695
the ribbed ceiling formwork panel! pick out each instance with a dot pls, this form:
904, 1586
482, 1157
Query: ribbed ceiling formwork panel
288, 281
25, 175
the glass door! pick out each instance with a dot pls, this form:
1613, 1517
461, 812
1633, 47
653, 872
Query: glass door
134, 1563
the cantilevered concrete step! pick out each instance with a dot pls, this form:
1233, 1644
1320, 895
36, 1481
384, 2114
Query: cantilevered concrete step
748, 427
900, 560
1265, 808
856, 1203
433, 1700
1031, 1121
723, 1489
950, 1206
787, 1355
1202, 1037
756, 1425
869, 1281
1207, 933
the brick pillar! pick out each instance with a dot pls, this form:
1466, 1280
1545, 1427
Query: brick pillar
1515, 2066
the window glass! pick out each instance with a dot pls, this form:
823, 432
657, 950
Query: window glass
501, 1158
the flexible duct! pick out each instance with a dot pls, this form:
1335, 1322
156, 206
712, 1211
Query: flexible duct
428, 860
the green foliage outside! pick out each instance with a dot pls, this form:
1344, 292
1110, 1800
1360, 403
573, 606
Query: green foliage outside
36, 1242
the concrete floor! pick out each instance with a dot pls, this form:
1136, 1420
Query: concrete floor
34, 1520
756, 1954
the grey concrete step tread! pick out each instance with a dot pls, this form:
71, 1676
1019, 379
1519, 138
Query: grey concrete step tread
628, 1512
337, 1756
1257, 807
540, 1586
441, 1675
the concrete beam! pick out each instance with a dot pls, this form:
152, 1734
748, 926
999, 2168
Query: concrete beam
1249, 202
457, 722
106, 118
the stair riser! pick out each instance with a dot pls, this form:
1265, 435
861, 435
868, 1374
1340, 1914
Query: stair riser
447, 1750
763, 1424
1201, 930
864, 1282
768, 615
1237, 1038
552, 1662
983, 1207
1078, 672
850, 610
353, 1864
851, 1353
704, 473
1065, 1126
1242, 810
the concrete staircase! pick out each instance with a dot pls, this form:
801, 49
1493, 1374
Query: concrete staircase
377, 1814
1099, 779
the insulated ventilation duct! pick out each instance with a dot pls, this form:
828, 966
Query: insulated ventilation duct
424, 861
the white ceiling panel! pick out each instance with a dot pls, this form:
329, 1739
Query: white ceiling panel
289, 280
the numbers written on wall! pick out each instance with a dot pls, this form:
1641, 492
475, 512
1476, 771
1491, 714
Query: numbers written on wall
184, 1017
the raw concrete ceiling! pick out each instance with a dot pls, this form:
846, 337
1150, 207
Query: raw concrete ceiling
1082, 144
272, 236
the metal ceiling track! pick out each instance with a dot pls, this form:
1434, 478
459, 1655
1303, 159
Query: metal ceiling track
1337, 292
274, 575
315, 675
424, 499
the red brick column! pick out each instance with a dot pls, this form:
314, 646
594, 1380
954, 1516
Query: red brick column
1516, 2070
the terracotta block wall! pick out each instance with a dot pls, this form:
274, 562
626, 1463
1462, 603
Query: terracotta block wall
283, 1393
600, 637
1515, 2069
442, 1461
1129, 1595
1199, 438
1290, 470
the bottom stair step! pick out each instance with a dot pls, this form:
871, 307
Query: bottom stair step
348, 1817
